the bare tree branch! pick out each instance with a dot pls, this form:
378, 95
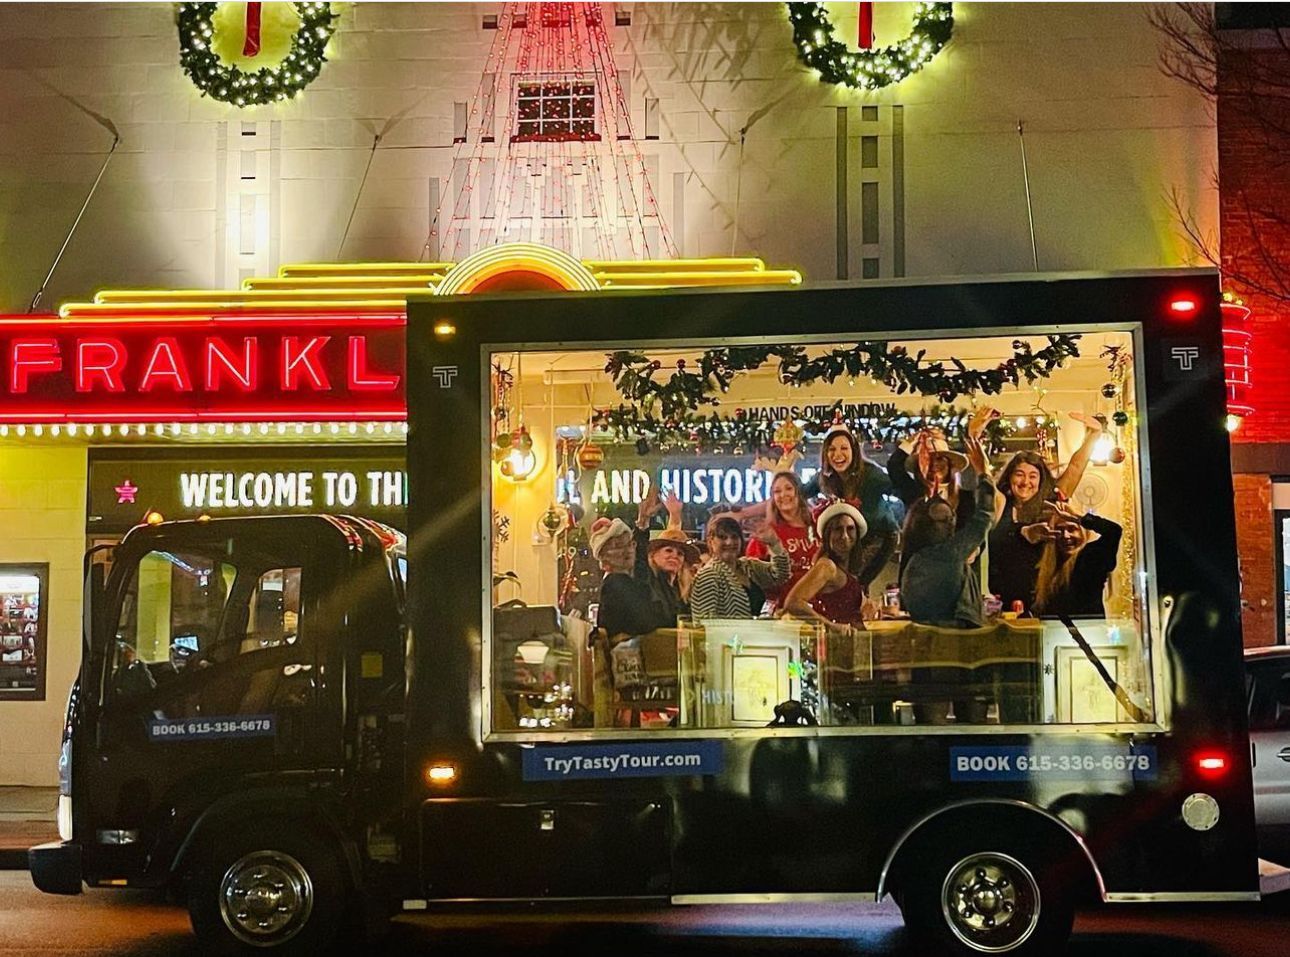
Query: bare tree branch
1245, 74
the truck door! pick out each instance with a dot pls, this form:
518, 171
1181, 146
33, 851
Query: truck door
210, 679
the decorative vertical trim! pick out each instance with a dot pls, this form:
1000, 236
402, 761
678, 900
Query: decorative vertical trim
219, 253
678, 212
898, 191
841, 146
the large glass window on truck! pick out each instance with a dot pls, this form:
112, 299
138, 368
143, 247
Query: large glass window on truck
734, 536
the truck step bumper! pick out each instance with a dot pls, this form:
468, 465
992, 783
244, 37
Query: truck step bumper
56, 868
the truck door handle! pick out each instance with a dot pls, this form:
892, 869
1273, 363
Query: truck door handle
1284, 754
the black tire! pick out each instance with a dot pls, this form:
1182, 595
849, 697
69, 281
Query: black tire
987, 896
273, 889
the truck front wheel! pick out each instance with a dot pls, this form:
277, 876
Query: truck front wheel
268, 891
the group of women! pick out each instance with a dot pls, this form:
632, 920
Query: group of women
1044, 558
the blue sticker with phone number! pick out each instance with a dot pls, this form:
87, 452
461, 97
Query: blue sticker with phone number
1053, 762
215, 727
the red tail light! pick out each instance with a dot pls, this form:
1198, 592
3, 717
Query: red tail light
1182, 306
1211, 765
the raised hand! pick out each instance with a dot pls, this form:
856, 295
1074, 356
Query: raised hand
672, 502
648, 506
764, 532
980, 419
1091, 422
976, 455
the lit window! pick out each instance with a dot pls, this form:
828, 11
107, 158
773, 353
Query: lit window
554, 109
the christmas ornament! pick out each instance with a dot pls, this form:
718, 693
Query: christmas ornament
868, 69
1110, 390
788, 435
642, 446
555, 518
1120, 417
249, 54
590, 456
1117, 455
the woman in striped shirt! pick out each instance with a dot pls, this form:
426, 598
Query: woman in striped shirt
732, 585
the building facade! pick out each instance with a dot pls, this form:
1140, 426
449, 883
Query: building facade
1042, 137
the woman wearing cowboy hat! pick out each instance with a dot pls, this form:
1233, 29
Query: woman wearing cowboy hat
831, 591
938, 584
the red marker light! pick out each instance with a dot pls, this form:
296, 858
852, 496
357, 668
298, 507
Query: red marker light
1211, 765
1183, 306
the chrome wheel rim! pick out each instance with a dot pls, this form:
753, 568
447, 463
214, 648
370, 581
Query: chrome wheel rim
991, 902
265, 898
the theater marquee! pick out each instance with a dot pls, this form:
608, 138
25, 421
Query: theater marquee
240, 368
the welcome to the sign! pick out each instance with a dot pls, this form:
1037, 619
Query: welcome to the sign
264, 491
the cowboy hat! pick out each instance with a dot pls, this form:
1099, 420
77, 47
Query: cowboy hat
676, 538
603, 531
832, 511
958, 461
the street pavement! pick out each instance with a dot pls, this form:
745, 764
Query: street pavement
144, 924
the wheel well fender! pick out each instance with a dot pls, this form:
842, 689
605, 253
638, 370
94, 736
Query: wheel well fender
975, 815
292, 806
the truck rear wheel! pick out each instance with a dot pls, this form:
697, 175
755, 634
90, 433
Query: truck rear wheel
988, 897
268, 891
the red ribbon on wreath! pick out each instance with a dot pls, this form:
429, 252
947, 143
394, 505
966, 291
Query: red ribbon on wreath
866, 26
252, 45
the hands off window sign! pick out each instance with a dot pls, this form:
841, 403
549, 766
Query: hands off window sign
124, 488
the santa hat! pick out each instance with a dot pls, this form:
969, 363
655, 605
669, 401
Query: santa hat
833, 510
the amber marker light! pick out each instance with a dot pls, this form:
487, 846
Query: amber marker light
153, 518
443, 329
441, 775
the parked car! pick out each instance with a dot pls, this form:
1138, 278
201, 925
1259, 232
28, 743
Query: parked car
1268, 697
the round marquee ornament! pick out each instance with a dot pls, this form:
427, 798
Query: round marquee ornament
249, 54
868, 69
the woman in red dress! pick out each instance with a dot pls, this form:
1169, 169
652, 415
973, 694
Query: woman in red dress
787, 514
830, 591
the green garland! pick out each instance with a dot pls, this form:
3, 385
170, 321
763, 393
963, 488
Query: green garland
685, 390
868, 69
271, 84
742, 433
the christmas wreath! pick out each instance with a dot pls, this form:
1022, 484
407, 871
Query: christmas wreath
868, 69
249, 54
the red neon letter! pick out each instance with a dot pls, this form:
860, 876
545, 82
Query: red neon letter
244, 369
99, 360
359, 377
297, 359
29, 357
166, 362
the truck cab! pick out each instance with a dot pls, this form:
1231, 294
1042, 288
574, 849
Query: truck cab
241, 675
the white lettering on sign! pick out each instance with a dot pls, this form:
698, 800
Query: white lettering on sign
267, 491
696, 486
